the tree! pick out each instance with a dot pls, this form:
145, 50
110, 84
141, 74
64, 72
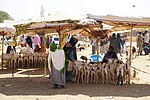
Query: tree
4, 16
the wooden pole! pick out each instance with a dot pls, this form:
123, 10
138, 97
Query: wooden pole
131, 44
129, 63
97, 49
60, 39
2, 50
44, 40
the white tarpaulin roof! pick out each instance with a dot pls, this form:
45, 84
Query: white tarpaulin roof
58, 16
122, 21
7, 29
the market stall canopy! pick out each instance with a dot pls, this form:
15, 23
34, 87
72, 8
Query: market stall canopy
7, 29
93, 30
122, 21
49, 27
88, 21
46, 23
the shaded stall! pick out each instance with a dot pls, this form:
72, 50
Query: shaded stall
5, 30
44, 28
123, 22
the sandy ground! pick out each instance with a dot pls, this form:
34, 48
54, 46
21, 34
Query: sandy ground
29, 84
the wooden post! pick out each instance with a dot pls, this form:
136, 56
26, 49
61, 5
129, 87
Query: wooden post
44, 40
129, 63
131, 44
2, 50
59, 33
97, 49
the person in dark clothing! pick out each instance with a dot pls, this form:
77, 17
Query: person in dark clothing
109, 55
70, 49
71, 55
29, 41
48, 41
9, 48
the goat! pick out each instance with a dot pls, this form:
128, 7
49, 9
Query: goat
14, 60
127, 71
35, 59
25, 59
120, 74
41, 60
20, 60
8, 58
31, 59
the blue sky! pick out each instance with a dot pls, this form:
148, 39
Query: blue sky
26, 9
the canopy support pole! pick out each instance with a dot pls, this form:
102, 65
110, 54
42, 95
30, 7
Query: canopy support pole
60, 39
2, 51
44, 39
129, 63
131, 44
97, 48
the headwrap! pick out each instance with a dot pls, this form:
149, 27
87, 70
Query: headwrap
68, 50
73, 41
53, 46
112, 50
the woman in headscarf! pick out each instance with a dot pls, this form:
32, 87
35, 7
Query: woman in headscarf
36, 43
71, 55
118, 49
109, 55
56, 65
29, 41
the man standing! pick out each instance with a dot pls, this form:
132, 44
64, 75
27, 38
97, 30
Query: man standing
93, 42
146, 42
140, 42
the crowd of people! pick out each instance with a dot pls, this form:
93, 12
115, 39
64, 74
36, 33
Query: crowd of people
143, 42
34, 43
116, 41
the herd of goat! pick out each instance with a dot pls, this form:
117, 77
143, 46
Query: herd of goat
25, 59
115, 71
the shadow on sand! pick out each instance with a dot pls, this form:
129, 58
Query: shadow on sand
41, 86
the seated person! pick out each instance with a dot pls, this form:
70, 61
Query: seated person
109, 55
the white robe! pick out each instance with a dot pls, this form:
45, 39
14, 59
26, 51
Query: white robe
58, 63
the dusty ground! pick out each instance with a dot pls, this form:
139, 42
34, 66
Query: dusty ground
29, 84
